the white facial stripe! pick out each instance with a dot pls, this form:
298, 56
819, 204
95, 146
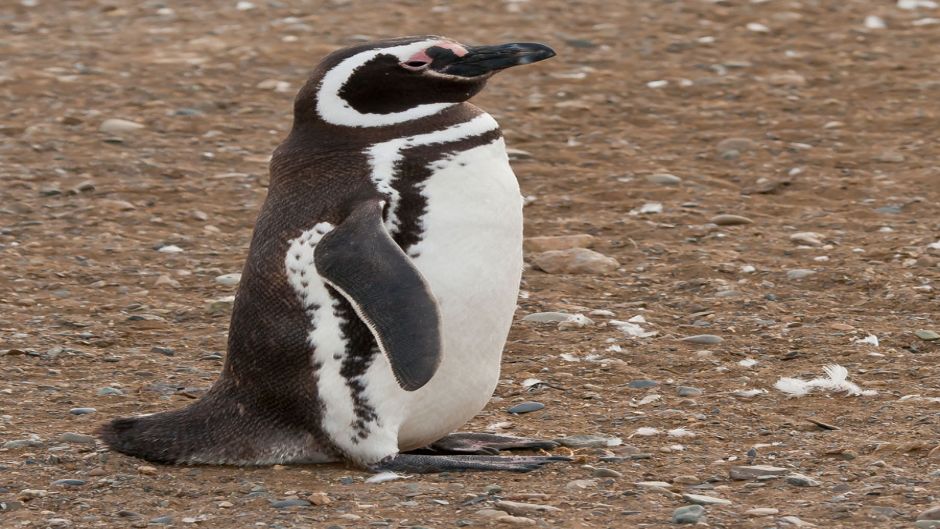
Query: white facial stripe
383, 157
335, 110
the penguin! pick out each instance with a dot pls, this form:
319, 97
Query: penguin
381, 278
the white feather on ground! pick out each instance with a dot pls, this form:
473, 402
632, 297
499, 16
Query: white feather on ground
681, 432
836, 380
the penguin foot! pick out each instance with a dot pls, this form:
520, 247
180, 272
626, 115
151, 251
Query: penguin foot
428, 464
484, 443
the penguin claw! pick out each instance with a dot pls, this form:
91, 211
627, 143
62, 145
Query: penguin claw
429, 464
486, 444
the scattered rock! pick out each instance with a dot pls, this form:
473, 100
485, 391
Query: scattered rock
801, 481
147, 470
82, 411
68, 482
514, 520
170, 248
165, 280
703, 339
653, 484
70, 437
161, 520
736, 144
932, 513
580, 484
688, 514
109, 392
663, 179
559, 242
588, 441
701, 499
642, 384
228, 279
926, 334
793, 520
546, 317
119, 126
807, 238
799, 273
874, 22
742, 473
221, 305
575, 261
791, 79
525, 407
293, 502
606, 473
33, 441
319, 498
890, 157
518, 508
762, 511
688, 391
730, 220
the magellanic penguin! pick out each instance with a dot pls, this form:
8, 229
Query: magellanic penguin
381, 279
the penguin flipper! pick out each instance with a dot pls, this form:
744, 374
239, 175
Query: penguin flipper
363, 263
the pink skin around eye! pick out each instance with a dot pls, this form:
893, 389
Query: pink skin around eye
423, 58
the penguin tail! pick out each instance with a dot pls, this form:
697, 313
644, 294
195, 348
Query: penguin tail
159, 438
215, 430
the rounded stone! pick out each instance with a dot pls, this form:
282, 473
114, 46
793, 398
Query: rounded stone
526, 407
688, 514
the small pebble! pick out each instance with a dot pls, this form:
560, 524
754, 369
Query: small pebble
526, 407
588, 441
642, 384
518, 508
688, 514
926, 334
71, 437
228, 279
742, 473
700, 499
801, 481
736, 144
82, 411
799, 273
147, 470
293, 502
514, 520
606, 473
109, 391
730, 220
664, 179
688, 391
546, 317
119, 126
932, 513
68, 482
703, 339
808, 238
161, 520
762, 511
575, 261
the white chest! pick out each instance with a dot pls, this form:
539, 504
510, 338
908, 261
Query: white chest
470, 253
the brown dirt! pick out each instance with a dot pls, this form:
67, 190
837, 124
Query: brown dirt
79, 269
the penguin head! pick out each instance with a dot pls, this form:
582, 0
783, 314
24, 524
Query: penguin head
395, 81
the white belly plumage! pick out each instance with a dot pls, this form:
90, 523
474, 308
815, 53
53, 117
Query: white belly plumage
471, 256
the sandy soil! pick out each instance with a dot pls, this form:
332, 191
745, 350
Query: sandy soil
837, 135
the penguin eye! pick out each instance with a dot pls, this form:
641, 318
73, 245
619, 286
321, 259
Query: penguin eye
415, 66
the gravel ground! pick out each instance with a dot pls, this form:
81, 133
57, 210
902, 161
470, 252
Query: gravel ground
763, 173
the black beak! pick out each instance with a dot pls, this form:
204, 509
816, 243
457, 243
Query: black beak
481, 60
